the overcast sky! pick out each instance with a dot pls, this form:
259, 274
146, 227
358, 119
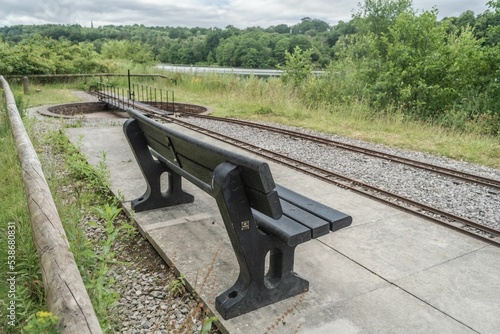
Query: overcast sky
201, 13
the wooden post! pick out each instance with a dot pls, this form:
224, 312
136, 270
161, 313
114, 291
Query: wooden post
26, 85
64, 289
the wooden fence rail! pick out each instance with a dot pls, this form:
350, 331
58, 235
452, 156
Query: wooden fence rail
64, 289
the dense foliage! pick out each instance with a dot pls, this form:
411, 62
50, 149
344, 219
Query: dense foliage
388, 55
401, 60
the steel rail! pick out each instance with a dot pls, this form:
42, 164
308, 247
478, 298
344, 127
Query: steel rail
464, 176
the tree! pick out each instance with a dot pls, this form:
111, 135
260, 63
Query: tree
6, 66
132, 50
495, 30
376, 16
341, 29
467, 18
280, 29
297, 68
308, 24
225, 53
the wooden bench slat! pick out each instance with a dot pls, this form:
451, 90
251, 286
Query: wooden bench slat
265, 203
255, 174
161, 149
336, 218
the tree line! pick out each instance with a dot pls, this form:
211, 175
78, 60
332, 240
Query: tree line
252, 47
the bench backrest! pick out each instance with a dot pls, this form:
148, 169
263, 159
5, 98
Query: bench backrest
196, 160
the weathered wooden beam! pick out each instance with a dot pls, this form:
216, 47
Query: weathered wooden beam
64, 289
26, 85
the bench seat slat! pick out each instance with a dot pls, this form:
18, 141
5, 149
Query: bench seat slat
285, 228
317, 225
336, 218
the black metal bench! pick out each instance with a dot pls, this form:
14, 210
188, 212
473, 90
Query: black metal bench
260, 217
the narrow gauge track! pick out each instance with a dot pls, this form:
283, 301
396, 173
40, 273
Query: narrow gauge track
458, 223
438, 216
358, 149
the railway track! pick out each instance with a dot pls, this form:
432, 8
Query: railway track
463, 176
427, 212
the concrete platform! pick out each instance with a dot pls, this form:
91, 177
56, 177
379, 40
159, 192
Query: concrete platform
389, 272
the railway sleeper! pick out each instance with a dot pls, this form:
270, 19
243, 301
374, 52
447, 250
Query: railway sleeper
261, 218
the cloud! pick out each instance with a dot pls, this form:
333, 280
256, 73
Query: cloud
449, 8
199, 13
266, 13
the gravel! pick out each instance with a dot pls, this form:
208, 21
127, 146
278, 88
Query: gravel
146, 304
476, 202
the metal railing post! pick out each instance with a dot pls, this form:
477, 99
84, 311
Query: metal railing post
173, 102
161, 99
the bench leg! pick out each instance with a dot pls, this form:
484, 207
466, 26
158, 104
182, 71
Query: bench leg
152, 170
254, 287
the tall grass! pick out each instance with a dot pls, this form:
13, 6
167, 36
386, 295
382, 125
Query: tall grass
29, 295
268, 100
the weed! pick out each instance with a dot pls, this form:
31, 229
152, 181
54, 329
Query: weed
101, 283
264, 111
90, 196
177, 287
207, 325
42, 323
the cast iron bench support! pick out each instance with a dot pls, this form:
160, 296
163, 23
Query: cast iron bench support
260, 217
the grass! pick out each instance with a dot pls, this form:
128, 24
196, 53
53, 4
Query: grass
401, 133
46, 95
28, 295
266, 100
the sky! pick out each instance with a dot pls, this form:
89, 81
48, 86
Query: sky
201, 13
